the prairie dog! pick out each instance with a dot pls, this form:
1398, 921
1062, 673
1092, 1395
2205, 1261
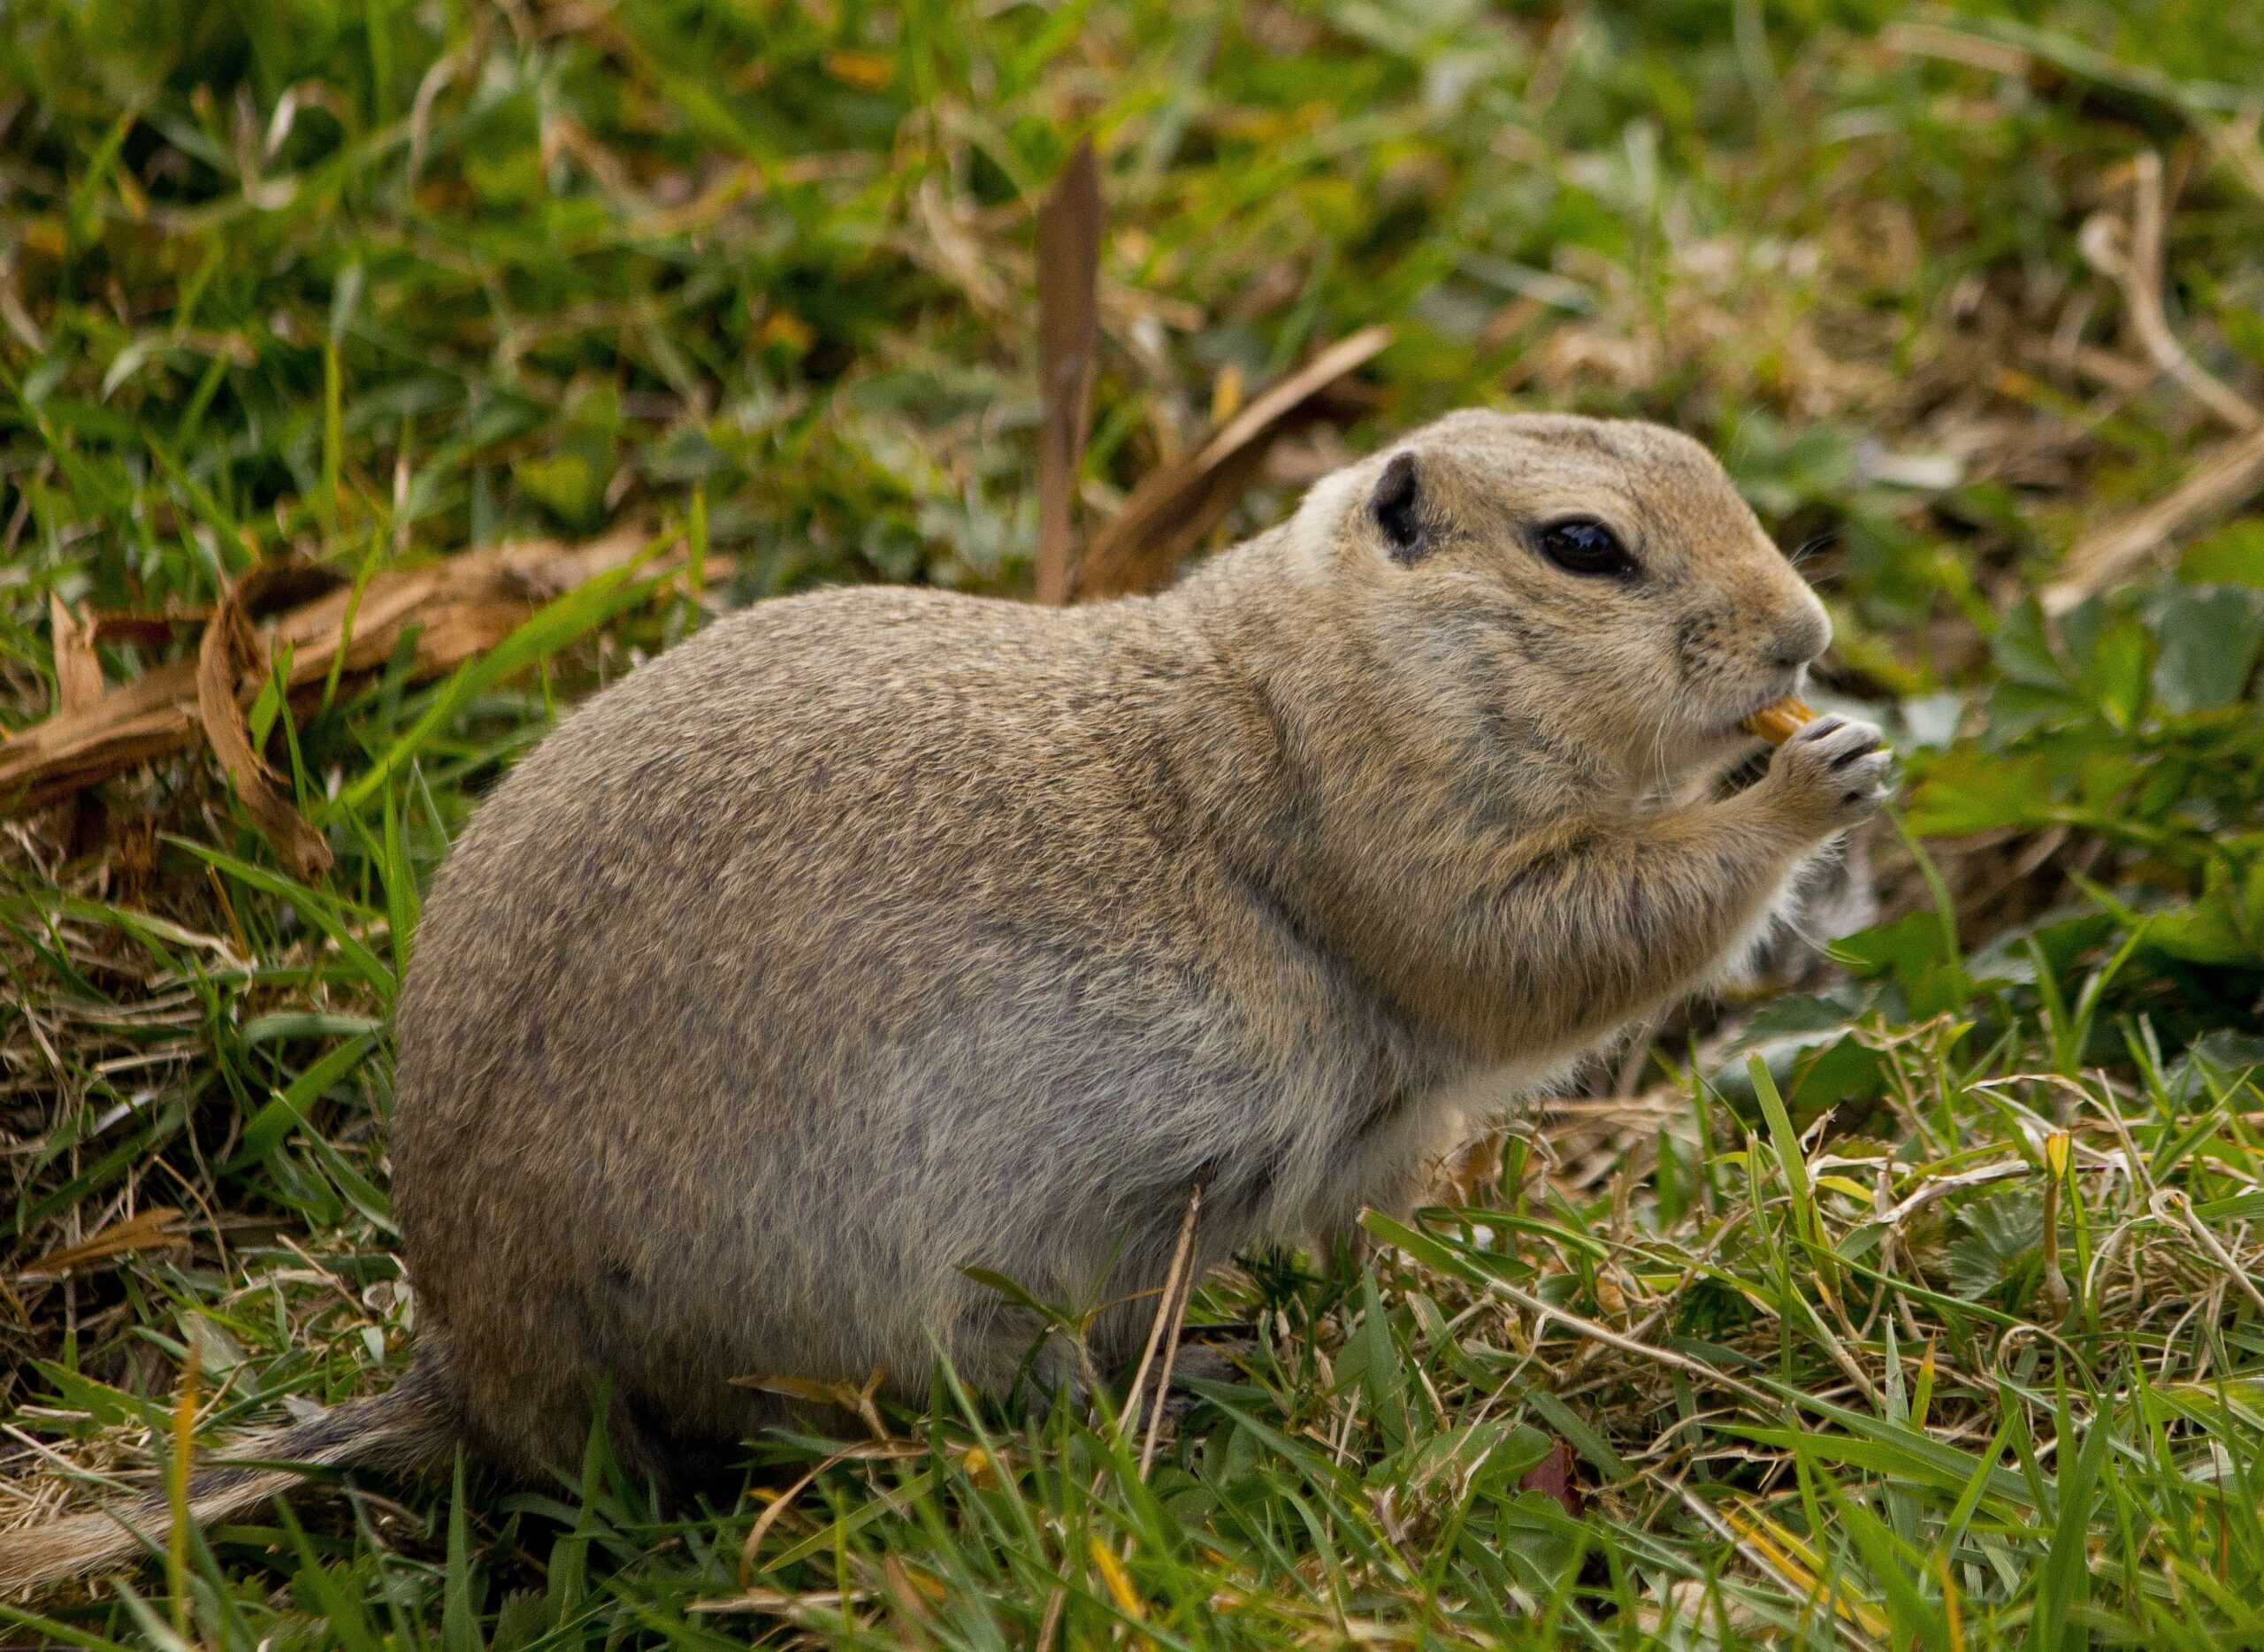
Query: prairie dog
874, 933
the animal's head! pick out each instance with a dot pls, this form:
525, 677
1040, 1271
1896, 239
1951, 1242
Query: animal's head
1601, 579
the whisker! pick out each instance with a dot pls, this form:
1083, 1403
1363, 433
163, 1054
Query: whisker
1813, 544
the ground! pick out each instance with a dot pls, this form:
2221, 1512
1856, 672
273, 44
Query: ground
1906, 1296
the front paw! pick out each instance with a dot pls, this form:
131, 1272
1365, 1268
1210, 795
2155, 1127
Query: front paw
1830, 776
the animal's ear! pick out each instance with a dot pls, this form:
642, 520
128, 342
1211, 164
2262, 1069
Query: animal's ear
1397, 506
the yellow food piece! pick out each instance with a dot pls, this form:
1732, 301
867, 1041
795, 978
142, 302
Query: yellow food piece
1779, 720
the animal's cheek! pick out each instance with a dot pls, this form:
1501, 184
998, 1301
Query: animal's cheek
1703, 637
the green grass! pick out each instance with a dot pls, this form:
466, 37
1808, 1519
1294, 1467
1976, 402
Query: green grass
1916, 1305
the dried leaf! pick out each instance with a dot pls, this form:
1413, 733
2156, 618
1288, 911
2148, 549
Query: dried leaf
855, 1397
230, 652
909, 1591
808, 1389
1556, 1475
1068, 332
78, 671
460, 607
151, 1230
1171, 510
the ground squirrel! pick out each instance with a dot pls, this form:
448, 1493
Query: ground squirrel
874, 933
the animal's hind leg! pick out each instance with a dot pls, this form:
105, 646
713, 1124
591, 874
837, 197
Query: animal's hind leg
530, 1425
542, 1427
650, 1451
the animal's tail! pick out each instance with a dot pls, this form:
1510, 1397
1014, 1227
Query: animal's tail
410, 1425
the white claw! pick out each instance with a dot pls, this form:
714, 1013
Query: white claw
1836, 768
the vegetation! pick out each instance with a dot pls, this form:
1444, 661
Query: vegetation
1916, 1306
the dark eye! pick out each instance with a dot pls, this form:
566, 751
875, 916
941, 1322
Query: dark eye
1582, 546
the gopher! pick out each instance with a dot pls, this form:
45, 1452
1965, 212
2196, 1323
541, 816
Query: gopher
873, 933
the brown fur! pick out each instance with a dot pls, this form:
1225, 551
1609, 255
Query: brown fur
876, 932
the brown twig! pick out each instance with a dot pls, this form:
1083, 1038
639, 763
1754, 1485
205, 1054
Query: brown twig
2227, 478
2134, 266
1175, 1275
1172, 509
1068, 332
1050, 1624
1182, 1266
